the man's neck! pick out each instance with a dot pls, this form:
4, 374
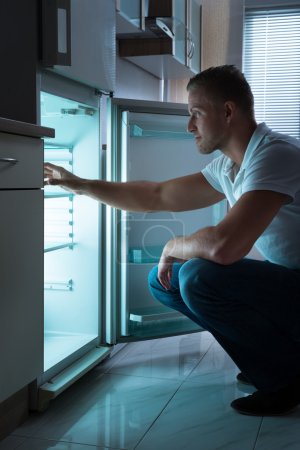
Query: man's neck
238, 142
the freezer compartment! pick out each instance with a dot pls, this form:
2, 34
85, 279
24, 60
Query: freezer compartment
71, 258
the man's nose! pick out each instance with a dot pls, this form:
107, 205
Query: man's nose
190, 125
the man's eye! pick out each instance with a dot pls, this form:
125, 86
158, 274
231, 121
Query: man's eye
197, 114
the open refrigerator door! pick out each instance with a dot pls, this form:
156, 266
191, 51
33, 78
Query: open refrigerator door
148, 141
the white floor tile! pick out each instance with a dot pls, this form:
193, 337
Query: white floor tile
280, 433
114, 411
168, 358
43, 444
166, 393
200, 417
73, 394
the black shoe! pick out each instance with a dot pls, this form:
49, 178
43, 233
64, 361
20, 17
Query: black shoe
243, 379
277, 403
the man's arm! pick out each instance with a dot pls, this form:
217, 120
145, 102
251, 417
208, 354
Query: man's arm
236, 234
179, 194
231, 239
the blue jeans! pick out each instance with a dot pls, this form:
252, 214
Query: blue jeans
252, 308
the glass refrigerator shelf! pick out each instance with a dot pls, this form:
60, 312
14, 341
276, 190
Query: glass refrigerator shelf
138, 132
58, 203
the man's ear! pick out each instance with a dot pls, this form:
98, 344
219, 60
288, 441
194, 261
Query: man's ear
229, 108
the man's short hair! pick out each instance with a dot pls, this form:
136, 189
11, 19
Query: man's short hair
225, 83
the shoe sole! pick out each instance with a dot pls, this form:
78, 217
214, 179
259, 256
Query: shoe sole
246, 413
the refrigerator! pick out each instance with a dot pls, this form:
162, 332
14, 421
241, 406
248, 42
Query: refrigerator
72, 239
97, 258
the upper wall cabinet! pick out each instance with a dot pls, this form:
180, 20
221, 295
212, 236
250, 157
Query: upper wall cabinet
193, 39
130, 16
78, 40
169, 44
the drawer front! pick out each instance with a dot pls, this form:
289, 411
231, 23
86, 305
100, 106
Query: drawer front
21, 162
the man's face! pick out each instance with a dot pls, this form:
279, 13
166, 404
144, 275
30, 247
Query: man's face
207, 122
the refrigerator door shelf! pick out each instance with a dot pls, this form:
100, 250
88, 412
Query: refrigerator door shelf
138, 132
148, 315
159, 328
150, 254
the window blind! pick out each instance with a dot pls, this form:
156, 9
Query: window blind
271, 64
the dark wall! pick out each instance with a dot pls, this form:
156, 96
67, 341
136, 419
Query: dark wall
18, 59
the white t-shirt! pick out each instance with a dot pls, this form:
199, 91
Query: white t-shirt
271, 162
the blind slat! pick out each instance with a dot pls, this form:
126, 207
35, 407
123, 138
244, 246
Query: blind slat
272, 66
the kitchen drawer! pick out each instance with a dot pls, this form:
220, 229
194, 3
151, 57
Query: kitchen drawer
21, 162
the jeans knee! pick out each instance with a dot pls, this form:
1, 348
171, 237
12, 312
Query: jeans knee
171, 297
197, 278
189, 277
153, 279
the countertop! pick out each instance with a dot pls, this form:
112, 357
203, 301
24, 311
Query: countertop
25, 129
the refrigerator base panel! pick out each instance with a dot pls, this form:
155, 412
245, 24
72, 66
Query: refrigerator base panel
67, 377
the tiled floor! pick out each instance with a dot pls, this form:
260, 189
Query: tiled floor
171, 393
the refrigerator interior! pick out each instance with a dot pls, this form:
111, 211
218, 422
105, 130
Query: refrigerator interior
71, 258
155, 147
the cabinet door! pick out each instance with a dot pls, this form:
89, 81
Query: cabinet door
193, 35
93, 49
133, 11
179, 30
21, 289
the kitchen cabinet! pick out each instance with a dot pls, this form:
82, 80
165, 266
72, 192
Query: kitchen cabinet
92, 42
21, 257
170, 46
130, 16
193, 39
18, 35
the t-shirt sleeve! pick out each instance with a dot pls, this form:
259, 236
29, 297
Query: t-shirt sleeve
212, 173
276, 169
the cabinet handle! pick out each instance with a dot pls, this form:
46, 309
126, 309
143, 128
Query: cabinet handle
9, 160
189, 44
56, 32
192, 49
